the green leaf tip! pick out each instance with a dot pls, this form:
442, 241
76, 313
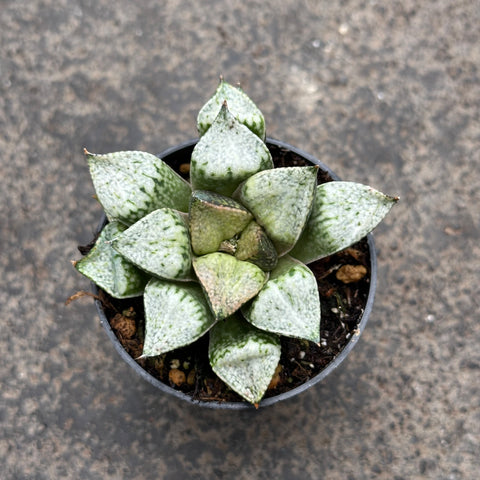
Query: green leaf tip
289, 303
214, 218
342, 214
281, 201
109, 270
176, 314
158, 244
226, 155
228, 283
241, 106
131, 184
254, 246
244, 357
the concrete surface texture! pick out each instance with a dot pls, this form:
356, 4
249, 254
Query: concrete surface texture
386, 93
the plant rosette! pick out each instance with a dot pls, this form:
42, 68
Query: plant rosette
225, 254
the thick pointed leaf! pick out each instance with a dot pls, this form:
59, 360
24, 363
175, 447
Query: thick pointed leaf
244, 357
242, 108
176, 314
280, 200
228, 283
214, 218
289, 303
131, 184
254, 246
227, 155
109, 270
343, 213
159, 244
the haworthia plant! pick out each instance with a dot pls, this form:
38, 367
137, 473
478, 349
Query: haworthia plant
210, 256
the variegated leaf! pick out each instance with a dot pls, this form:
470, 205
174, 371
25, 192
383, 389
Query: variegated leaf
214, 218
280, 200
109, 270
226, 155
159, 244
176, 314
342, 214
289, 303
244, 357
131, 184
241, 106
228, 283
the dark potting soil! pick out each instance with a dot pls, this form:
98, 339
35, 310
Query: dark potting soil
343, 283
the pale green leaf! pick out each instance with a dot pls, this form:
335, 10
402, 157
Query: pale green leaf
241, 106
159, 244
244, 357
343, 213
280, 200
109, 270
289, 303
131, 184
226, 155
176, 314
228, 283
214, 218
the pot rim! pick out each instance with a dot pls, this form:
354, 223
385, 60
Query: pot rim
242, 405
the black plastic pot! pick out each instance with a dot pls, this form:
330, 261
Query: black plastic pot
176, 156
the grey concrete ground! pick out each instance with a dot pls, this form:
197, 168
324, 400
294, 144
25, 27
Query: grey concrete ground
386, 93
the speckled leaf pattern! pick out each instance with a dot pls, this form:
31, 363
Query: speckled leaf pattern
228, 283
176, 314
342, 214
159, 244
241, 106
226, 155
109, 270
131, 184
214, 218
254, 246
244, 357
281, 201
289, 303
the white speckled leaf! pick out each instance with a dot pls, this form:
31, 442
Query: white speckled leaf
241, 106
176, 314
159, 244
214, 218
289, 303
226, 155
281, 201
228, 283
131, 184
109, 270
342, 214
244, 357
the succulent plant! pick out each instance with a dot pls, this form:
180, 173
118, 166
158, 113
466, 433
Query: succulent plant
225, 254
